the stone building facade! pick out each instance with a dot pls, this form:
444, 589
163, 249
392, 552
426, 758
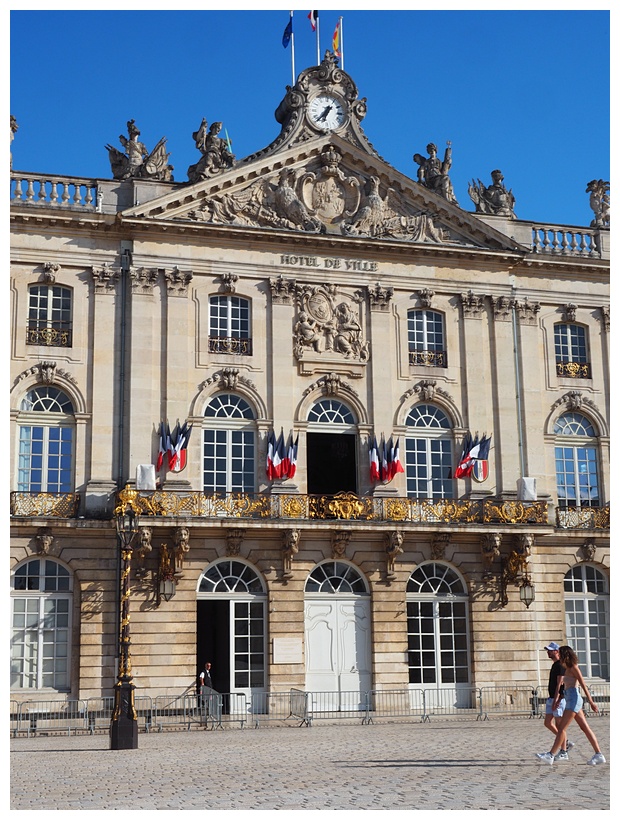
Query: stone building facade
314, 291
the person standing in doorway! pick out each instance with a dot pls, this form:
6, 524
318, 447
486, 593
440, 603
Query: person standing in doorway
555, 703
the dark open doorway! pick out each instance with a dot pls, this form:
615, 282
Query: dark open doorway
213, 641
332, 465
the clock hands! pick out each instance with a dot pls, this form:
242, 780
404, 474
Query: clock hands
326, 111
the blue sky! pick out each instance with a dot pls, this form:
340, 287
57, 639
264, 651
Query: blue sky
524, 91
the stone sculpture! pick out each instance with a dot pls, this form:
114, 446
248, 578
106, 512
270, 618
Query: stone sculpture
433, 173
599, 202
216, 153
136, 162
493, 200
14, 127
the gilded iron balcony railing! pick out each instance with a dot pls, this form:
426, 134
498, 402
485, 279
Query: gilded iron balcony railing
573, 370
582, 518
230, 344
431, 358
45, 505
343, 506
55, 336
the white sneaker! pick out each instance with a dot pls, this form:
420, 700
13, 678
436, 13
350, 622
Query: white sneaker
569, 745
561, 755
598, 758
546, 757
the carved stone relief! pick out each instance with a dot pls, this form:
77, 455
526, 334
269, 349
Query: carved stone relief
216, 155
136, 162
340, 542
143, 280
393, 548
472, 304
146, 535
181, 544
495, 199
177, 281
44, 539
490, 550
588, 550
326, 325
105, 278
438, 545
234, 538
570, 313
605, 317
282, 290
527, 311
46, 372
502, 308
50, 269
599, 202
290, 547
426, 297
380, 297
228, 378
574, 400
228, 282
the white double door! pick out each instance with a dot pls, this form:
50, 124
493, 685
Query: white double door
338, 646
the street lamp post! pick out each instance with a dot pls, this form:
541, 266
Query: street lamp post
124, 724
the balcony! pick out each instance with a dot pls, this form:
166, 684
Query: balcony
58, 335
573, 370
582, 518
430, 358
344, 506
44, 505
230, 344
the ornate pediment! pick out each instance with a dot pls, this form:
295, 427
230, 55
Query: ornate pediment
329, 188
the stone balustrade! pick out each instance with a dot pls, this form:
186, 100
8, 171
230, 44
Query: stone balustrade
565, 241
61, 192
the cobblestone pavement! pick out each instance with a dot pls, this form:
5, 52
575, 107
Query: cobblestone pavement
440, 765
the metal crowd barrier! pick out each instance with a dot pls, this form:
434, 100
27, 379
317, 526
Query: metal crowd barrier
211, 709
601, 695
279, 707
509, 700
52, 716
390, 704
348, 705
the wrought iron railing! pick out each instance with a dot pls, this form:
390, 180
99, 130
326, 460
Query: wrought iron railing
51, 505
584, 518
573, 370
343, 506
230, 344
431, 358
55, 336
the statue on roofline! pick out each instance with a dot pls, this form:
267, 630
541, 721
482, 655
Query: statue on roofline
136, 162
599, 202
493, 200
216, 153
433, 172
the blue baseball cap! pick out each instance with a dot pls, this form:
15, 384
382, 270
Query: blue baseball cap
553, 646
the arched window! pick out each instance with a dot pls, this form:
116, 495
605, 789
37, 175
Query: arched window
426, 338
41, 599
571, 351
335, 577
428, 453
437, 627
231, 627
46, 424
330, 411
49, 316
229, 442
229, 325
586, 604
576, 465
331, 448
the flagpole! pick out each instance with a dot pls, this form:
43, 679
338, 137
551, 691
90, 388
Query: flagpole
341, 45
318, 48
292, 51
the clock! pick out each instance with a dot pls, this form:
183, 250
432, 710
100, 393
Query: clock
326, 112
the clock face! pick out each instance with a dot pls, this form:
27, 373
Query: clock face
326, 112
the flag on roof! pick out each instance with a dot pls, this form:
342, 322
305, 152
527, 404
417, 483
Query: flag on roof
313, 16
336, 40
271, 448
292, 456
288, 32
162, 447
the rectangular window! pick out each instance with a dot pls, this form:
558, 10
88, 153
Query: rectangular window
40, 643
49, 316
229, 325
229, 461
428, 468
426, 338
45, 463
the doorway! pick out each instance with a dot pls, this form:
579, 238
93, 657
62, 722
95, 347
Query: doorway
332, 464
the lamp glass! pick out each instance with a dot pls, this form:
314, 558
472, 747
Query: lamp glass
167, 588
527, 592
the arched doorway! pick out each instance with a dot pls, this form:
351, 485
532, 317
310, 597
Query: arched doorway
331, 446
438, 631
338, 635
231, 627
